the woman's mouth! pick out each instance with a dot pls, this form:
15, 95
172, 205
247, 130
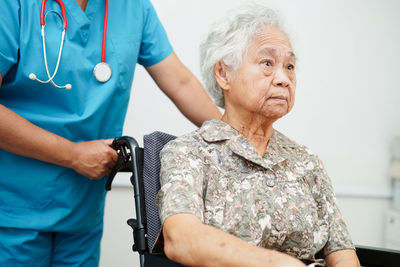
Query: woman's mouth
278, 98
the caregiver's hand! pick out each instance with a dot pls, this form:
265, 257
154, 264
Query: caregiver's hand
93, 159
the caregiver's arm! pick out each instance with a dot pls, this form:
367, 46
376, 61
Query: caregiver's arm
342, 258
183, 88
93, 159
190, 242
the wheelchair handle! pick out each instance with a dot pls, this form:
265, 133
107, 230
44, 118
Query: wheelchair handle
125, 147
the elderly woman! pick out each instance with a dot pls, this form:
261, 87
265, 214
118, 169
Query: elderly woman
236, 192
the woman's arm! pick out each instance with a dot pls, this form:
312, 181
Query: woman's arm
342, 258
182, 87
190, 242
339, 249
92, 159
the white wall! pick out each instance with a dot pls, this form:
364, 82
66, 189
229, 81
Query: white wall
347, 102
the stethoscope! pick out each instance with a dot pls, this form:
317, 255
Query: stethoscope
102, 71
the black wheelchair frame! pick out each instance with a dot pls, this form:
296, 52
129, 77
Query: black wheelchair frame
131, 160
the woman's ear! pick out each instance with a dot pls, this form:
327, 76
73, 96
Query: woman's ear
221, 75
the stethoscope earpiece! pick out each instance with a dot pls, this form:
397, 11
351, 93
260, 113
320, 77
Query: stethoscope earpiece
32, 76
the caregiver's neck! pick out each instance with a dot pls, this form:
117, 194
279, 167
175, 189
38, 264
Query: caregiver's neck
82, 4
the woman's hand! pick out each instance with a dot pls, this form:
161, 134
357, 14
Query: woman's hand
93, 159
285, 260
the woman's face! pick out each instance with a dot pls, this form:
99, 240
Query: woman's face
265, 82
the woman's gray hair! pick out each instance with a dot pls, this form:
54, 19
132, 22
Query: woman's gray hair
228, 42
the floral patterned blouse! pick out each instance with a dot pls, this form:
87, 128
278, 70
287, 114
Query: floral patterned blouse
282, 201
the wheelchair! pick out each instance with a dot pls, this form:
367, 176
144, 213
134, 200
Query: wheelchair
144, 164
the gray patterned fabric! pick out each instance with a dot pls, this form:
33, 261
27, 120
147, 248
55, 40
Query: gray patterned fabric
283, 200
152, 145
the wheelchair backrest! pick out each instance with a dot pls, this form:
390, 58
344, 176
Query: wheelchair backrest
152, 145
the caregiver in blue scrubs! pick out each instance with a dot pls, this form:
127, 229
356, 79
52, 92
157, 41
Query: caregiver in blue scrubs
55, 143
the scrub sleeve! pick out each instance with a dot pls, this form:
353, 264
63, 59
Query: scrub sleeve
9, 35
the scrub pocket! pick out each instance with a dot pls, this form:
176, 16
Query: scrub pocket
30, 186
126, 50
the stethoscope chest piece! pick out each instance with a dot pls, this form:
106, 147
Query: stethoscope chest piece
102, 72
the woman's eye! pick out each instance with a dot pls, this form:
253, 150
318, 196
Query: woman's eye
290, 67
267, 63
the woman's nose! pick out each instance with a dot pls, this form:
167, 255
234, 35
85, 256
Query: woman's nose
281, 78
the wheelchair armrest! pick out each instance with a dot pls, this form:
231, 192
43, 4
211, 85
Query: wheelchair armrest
152, 260
368, 256
378, 257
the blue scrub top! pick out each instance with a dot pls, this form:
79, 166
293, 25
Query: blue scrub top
41, 196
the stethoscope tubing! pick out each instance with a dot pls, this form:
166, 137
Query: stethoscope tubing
105, 20
58, 60
32, 76
42, 11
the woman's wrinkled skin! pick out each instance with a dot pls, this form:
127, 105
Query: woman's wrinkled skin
262, 89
